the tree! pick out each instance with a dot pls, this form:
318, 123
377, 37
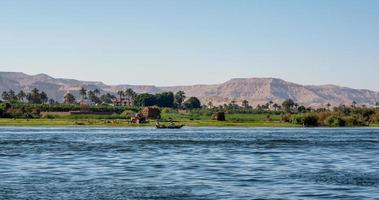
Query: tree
43, 97
354, 104
210, 104
270, 104
107, 98
145, 99
165, 99
12, 95
343, 110
328, 106
36, 97
92, 95
288, 105
52, 101
96, 92
121, 94
179, 98
9, 96
5, 96
301, 109
192, 103
21, 95
245, 104
130, 95
276, 106
69, 98
83, 93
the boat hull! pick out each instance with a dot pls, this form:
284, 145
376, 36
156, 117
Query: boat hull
169, 127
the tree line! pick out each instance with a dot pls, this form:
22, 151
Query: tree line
35, 96
132, 99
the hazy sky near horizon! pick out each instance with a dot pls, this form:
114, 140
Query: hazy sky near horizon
177, 42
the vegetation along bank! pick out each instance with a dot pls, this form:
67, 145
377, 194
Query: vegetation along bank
127, 108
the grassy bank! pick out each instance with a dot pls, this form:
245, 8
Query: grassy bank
195, 118
124, 123
66, 122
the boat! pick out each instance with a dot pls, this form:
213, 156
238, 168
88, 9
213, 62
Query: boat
171, 126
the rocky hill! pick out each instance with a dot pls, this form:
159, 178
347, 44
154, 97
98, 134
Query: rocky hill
255, 90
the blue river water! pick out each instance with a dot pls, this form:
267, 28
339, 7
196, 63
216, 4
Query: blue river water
190, 163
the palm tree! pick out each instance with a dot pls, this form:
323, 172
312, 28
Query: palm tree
245, 103
328, 106
44, 98
35, 96
12, 95
83, 93
275, 106
69, 98
288, 105
121, 94
179, 98
353, 104
130, 95
210, 104
5, 96
96, 92
21, 95
52, 101
270, 104
267, 106
35, 91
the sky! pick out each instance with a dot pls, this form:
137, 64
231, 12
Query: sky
177, 42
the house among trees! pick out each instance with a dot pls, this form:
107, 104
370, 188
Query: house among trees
121, 102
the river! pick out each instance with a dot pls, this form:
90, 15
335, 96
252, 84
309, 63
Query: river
190, 163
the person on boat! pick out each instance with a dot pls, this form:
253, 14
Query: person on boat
172, 124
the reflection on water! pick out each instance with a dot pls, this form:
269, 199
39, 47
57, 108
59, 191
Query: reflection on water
192, 163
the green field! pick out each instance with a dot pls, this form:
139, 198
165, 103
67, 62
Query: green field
195, 119
188, 119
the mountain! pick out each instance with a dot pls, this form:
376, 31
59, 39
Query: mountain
255, 90
262, 90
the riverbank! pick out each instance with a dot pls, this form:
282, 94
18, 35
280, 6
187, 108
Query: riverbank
124, 123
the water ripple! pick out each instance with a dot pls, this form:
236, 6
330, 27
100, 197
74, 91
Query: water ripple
191, 163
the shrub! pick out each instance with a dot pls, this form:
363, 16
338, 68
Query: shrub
192, 103
354, 121
308, 120
335, 121
127, 114
323, 116
219, 116
374, 118
286, 118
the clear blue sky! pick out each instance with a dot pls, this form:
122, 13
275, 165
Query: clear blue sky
178, 42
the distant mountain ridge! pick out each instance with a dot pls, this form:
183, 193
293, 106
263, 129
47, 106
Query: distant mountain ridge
255, 90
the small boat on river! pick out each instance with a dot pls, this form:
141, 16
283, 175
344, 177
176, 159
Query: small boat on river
170, 126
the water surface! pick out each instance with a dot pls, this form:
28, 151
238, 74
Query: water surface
191, 163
